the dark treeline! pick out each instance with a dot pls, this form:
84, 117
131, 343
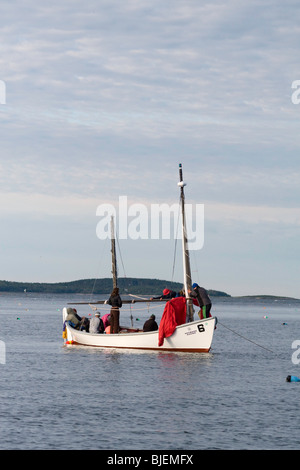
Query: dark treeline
99, 286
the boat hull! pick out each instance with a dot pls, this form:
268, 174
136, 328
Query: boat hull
193, 337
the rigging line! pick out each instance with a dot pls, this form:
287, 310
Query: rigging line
194, 262
100, 262
247, 339
120, 255
174, 259
175, 247
124, 309
186, 231
192, 253
138, 297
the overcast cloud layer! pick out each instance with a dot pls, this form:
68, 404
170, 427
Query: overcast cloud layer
105, 98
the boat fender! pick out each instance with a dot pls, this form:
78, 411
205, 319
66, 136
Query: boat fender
292, 378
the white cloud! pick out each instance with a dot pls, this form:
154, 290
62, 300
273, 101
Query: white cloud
249, 215
44, 205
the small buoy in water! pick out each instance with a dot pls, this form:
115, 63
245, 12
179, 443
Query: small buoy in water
265, 316
18, 318
284, 323
292, 378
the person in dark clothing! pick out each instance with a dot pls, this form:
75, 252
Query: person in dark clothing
167, 294
116, 303
85, 324
204, 301
150, 325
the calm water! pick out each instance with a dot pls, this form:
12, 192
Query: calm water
235, 397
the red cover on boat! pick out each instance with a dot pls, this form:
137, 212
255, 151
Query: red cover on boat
174, 315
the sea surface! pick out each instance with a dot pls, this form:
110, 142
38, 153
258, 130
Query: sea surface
76, 398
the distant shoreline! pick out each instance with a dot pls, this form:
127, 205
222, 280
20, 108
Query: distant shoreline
135, 286
259, 299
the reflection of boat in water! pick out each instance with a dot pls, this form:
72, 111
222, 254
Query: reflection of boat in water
177, 330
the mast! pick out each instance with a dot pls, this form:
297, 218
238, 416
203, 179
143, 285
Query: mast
185, 252
113, 254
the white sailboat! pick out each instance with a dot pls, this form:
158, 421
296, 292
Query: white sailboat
178, 332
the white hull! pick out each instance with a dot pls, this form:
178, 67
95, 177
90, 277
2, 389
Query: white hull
190, 337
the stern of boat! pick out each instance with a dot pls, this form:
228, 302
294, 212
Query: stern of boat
66, 334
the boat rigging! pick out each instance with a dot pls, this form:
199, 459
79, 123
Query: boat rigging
177, 332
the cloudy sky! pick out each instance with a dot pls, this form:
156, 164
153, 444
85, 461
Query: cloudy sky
104, 98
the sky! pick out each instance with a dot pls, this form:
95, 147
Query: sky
104, 98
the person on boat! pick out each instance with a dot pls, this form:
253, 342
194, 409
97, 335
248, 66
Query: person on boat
203, 299
106, 320
116, 303
85, 324
167, 294
96, 324
181, 293
73, 318
150, 324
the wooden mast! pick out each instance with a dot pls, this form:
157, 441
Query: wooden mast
186, 256
113, 254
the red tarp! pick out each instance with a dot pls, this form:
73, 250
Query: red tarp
174, 315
